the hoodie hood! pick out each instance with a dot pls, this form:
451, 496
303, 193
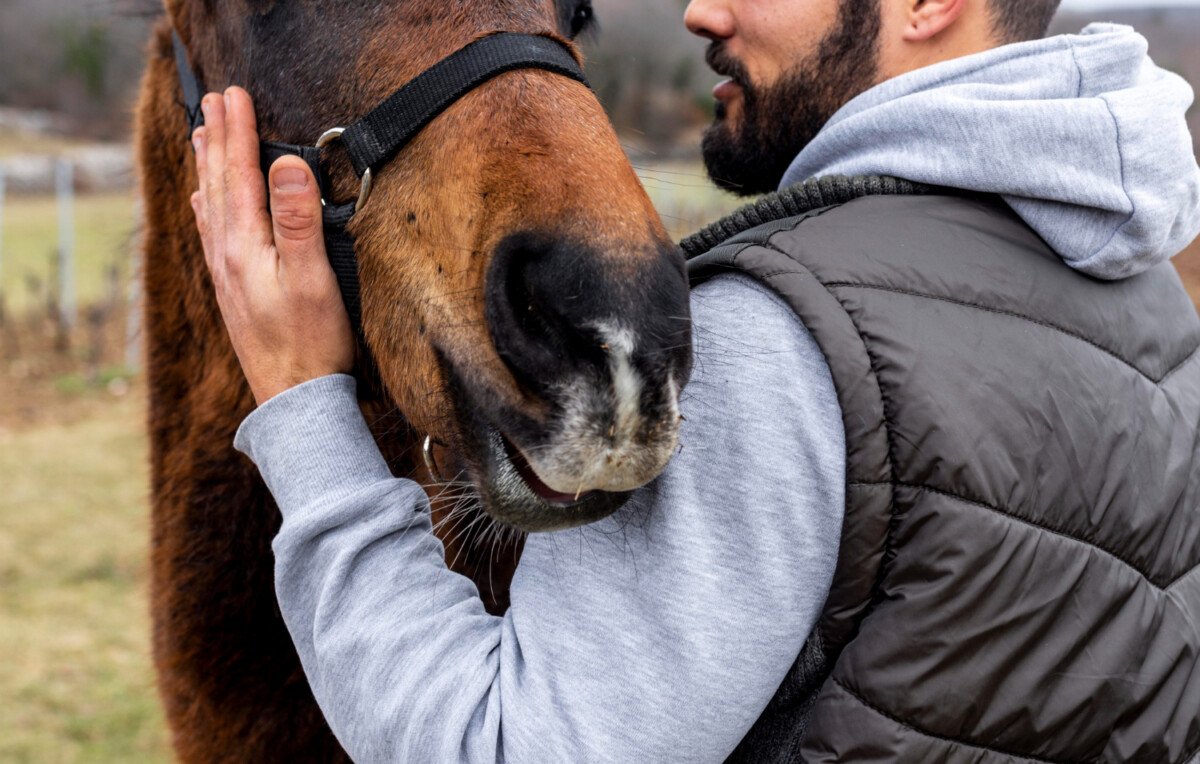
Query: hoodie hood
1082, 135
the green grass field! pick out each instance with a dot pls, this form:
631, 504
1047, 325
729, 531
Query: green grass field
76, 683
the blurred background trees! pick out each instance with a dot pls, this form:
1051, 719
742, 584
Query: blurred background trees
78, 59
81, 60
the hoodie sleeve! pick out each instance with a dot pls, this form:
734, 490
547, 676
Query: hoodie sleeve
657, 634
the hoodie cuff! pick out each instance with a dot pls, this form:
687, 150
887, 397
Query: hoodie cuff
312, 445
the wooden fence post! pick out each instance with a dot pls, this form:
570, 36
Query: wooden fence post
64, 181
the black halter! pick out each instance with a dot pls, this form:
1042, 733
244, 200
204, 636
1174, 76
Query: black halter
375, 139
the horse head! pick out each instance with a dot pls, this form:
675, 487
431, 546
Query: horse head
521, 301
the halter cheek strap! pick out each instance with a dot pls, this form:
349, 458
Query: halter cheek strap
376, 138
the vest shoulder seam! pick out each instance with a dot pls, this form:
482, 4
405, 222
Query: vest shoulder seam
945, 738
1019, 316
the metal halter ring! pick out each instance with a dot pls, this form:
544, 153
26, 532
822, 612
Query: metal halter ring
431, 463
364, 192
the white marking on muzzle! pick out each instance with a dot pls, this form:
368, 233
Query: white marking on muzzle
602, 443
627, 385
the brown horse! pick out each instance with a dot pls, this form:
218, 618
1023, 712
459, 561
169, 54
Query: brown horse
521, 301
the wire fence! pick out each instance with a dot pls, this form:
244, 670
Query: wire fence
48, 325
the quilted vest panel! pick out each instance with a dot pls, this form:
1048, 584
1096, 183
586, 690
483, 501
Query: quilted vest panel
1018, 570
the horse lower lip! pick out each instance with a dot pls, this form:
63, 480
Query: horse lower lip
543, 491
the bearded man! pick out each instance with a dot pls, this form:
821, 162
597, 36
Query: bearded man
938, 499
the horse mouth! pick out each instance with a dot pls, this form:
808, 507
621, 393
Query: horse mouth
513, 494
535, 483
506, 485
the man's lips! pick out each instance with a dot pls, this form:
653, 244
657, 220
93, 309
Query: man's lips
726, 90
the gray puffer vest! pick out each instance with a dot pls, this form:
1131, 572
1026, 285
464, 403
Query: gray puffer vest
1017, 580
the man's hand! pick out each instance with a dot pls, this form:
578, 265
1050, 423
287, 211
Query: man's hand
275, 288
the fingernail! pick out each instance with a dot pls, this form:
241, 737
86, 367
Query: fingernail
204, 107
289, 180
226, 96
198, 140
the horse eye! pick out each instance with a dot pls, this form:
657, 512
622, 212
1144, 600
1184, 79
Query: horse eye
581, 20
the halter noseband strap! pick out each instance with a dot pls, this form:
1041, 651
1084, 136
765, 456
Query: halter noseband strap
376, 138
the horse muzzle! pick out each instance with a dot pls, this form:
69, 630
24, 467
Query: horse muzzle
599, 348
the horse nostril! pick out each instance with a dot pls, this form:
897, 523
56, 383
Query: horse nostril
560, 312
540, 301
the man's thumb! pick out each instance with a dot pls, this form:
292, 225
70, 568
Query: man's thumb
295, 210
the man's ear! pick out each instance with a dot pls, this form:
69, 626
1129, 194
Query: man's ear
928, 18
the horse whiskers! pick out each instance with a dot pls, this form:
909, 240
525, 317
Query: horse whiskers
445, 489
463, 539
453, 482
454, 517
453, 522
457, 496
460, 499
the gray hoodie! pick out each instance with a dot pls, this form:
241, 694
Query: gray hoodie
660, 634
1082, 135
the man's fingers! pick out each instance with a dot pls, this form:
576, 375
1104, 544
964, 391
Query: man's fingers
296, 216
200, 144
244, 185
213, 107
198, 210
200, 198
213, 255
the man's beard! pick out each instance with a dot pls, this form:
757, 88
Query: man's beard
780, 120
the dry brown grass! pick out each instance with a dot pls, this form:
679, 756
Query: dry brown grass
76, 683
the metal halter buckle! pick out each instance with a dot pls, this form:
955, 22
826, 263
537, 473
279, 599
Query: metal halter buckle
364, 191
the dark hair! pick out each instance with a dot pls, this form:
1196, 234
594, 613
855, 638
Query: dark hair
1021, 20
